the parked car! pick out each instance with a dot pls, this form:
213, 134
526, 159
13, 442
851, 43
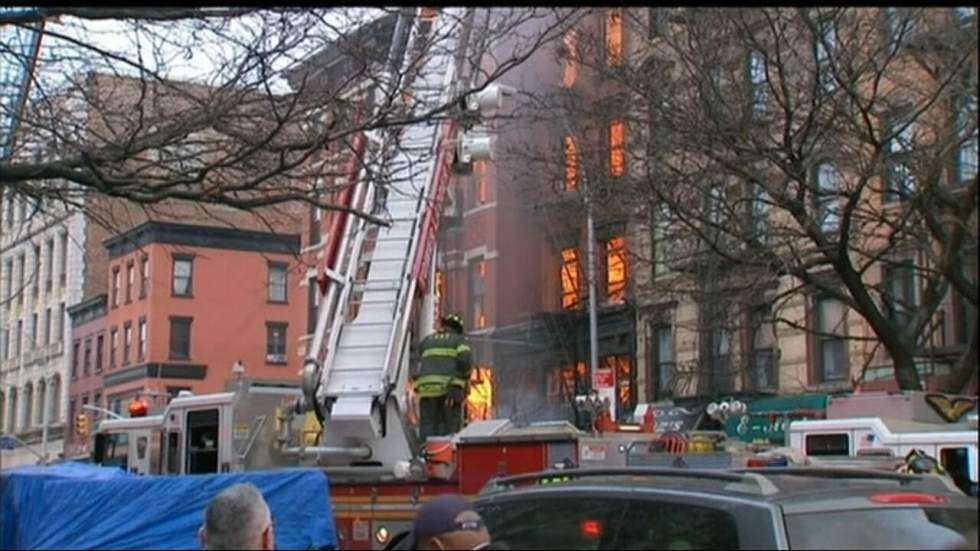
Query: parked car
771, 508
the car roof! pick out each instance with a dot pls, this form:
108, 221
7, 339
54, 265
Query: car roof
785, 485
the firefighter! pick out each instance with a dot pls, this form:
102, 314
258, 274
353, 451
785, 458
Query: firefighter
919, 462
441, 382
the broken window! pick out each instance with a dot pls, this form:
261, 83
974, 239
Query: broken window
617, 148
622, 366
614, 37
478, 276
571, 164
570, 72
567, 381
570, 278
616, 269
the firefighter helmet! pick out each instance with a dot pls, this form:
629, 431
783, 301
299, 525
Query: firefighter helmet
918, 462
453, 320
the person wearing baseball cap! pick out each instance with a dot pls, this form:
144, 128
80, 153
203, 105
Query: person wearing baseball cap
448, 522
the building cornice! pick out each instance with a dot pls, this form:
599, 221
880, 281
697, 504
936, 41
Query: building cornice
155, 371
201, 236
88, 310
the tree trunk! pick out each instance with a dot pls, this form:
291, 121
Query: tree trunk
965, 370
905, 373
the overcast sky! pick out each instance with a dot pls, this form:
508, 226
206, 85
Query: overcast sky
185, 51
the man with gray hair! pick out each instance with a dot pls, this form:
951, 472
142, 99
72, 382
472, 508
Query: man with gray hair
237, 518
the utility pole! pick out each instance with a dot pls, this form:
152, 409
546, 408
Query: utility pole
590, 272
591, 282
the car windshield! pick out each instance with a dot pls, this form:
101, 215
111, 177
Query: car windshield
607, 523
892, 528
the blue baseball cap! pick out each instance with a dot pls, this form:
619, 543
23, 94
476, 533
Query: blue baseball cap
441, 516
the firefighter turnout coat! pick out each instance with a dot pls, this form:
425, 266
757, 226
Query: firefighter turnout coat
446, 361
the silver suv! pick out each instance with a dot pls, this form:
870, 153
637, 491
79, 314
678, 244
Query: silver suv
775, 508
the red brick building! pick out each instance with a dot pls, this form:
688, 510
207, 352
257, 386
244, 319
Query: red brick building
87, 362
185, 302
513, 248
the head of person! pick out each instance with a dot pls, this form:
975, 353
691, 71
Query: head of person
453, 322
237, 518
448, 522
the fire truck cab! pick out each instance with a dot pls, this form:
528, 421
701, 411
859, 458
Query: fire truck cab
222, 432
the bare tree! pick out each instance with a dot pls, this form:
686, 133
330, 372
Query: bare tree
224, 106
780, 155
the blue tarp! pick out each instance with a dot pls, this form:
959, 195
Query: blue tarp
101, 508
19, 485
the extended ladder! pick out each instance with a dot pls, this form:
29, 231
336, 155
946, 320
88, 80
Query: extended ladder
356, 357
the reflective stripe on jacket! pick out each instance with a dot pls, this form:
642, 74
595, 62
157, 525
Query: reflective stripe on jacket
445, 360
433, 386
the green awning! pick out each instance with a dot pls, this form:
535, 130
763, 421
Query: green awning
779, 404
766, 418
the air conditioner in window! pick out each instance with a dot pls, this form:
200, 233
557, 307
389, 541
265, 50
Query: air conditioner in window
275, 358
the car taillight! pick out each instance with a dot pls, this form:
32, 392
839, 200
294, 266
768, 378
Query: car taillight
908, 497
591, 529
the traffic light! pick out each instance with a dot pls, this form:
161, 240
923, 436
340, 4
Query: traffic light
81, 424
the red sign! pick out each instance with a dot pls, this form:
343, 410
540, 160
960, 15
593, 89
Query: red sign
603, 378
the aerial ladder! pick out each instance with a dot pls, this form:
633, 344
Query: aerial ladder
355, 375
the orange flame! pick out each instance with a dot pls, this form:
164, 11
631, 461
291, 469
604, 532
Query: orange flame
479, 402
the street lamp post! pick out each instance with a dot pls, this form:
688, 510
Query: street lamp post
11, 437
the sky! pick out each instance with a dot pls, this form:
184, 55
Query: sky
186, 51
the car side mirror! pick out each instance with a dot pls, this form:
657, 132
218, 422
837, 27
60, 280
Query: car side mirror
398, 541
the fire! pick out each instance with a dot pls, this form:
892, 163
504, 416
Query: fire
479, 402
